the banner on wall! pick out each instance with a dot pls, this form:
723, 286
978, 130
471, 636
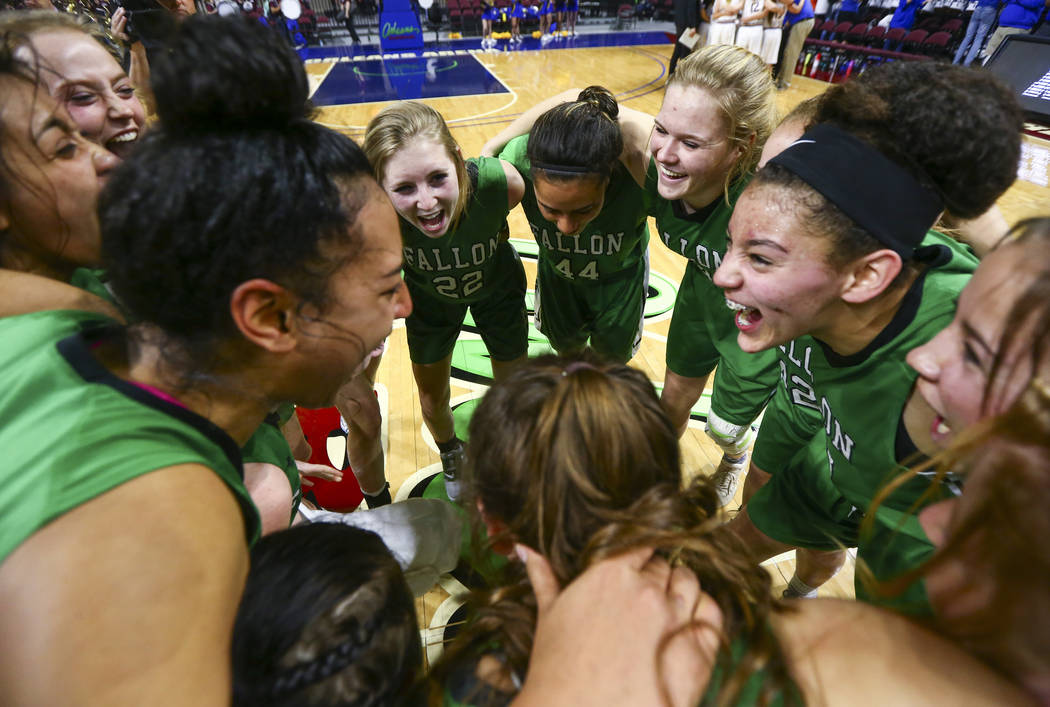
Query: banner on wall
399, 28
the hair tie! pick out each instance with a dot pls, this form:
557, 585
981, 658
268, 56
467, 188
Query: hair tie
874, 191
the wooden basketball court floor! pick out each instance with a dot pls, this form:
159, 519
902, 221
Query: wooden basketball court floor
636, 75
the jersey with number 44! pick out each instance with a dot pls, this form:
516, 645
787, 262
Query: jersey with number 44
461, 266
612, 243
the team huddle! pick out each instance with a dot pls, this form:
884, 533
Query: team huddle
847, 277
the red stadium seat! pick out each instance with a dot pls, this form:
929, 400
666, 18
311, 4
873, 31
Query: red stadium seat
937, 44
914, 39
894, 37
840, 30
856, 33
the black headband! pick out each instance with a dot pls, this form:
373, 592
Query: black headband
879, 195
567, 168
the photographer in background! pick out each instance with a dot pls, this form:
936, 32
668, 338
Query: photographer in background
144, 27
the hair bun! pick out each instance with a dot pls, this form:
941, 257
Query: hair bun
602, 99
924, 116
228, 73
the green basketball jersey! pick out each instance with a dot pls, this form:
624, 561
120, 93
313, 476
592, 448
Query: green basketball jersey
94, 281
703, 332
267, 445
461, 265
700, 237
73, 431
793, 414
612, 244
264, 446
861, 397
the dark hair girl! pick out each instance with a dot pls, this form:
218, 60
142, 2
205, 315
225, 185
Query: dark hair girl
126, 474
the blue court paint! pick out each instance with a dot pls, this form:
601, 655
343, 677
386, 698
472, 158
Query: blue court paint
371, 80
597, 39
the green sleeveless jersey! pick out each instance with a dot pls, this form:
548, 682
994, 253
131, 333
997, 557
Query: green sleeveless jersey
699, 237
264, 446
613, 243
94, 281
73, 431
461, 266
267, 445
861, 397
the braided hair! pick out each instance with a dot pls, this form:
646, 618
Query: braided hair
326, 619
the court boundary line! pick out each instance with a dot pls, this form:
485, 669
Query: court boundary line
466, 52
468, 121
323, 79
621, 96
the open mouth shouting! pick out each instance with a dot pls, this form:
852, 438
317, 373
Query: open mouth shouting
747, 318
434, 222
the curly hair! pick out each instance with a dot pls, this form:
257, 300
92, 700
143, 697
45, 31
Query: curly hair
326, 619
577, 458
925, 118
236, 183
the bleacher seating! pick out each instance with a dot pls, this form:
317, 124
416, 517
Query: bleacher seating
856, 33
913, 40
936, 45
875, 36
894, 37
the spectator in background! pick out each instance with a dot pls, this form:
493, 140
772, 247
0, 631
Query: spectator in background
849, 11
279, 23
348, 19
706, 7
307, 20
773, 33
1016, 17
723, 21
686, 14
145, 34
797, 25
904, 15
980, 22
